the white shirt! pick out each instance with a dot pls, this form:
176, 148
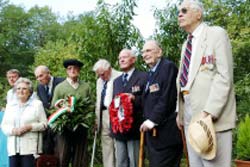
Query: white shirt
50, 84
75, 85
11, 96
130, 72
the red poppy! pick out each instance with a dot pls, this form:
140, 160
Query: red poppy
121, 116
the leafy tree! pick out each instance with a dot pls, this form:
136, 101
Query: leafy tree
168, 33
14, 44
44, 26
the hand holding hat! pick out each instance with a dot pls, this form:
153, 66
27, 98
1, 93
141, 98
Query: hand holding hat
202, 138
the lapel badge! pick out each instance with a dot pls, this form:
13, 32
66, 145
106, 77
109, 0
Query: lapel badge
136, 88
154, 88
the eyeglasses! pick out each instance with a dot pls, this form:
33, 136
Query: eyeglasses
147, 50
21, 88
183, 10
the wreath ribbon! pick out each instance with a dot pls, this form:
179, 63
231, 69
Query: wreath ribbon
63, 105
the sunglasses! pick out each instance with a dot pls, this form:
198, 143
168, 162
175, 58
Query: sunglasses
183, 10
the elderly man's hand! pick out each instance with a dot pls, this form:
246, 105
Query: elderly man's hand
131, 96
178, 122
147, 125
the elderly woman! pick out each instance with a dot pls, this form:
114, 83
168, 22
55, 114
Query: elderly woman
22, 122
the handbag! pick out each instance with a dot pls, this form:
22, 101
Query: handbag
45, 160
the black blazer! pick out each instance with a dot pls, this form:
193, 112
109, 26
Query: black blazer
41, 92
137, 79
159, 106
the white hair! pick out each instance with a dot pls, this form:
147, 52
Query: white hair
43, 68
101, 63
129, 51
195, 4
26, 81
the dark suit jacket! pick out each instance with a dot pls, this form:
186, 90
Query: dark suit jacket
159, 106
41, 92
137, 79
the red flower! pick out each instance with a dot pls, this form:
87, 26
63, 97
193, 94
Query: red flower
121, 117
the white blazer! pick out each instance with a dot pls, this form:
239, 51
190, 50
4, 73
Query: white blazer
211, 81
34, 115
109, 94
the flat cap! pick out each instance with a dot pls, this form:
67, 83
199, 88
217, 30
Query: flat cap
72, 62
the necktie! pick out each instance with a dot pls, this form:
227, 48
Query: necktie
150, 79
186, 62
125, 79
103, 94
47, 91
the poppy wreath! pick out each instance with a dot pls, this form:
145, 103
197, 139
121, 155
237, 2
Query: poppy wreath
121, 117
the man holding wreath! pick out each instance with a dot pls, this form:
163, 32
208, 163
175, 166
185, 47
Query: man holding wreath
72, 144
126, 110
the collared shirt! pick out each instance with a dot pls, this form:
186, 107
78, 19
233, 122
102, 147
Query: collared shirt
196, 36
130, 72
156, 65
50, 84
11, 96
75, 85
153, 69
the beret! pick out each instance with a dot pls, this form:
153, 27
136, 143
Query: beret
72, 62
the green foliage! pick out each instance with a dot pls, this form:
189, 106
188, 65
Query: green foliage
81, 116
233, 15
4, 87
14, 41
243, 136
243, 94
169, 34
53, 54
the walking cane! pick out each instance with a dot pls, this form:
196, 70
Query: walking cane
141, 152
184, 145
93, 150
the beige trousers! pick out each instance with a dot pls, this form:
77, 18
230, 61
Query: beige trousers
224, 144
108, 143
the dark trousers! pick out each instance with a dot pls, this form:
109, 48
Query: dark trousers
22, 160
171, 157
72, 148
49, 139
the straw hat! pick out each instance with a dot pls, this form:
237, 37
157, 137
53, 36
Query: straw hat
201, 136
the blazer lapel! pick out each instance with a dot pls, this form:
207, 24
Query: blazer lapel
99, 90
200, 49
132, 80
154, 76
156, 73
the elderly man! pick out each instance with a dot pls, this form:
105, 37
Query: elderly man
72, 144
205, 83
162, 135
131, 82
104, 92
47, 84
45, 91
12, 76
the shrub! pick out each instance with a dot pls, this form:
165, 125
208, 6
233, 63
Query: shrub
243, 142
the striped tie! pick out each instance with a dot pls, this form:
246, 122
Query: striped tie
186, 62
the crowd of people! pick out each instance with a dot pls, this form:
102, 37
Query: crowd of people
191, 109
